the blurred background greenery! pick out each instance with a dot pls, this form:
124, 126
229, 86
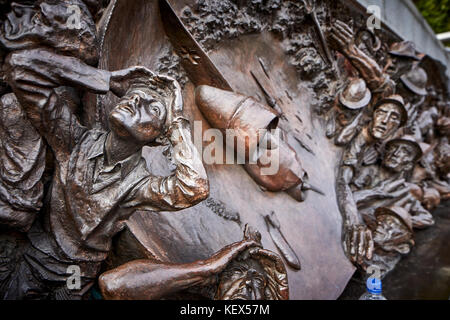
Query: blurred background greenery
436, 12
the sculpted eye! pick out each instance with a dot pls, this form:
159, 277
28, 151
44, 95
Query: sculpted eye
156, 111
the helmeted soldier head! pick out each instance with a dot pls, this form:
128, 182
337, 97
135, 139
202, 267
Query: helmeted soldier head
257, 274
403, 56
142, 113
356, 95
405, 49
401, 155
389, 114
394, 230
416, 80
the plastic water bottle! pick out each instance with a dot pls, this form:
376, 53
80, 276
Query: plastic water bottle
374, 289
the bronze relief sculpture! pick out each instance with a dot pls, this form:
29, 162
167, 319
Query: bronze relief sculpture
94, 162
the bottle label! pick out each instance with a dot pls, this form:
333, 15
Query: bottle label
373, 283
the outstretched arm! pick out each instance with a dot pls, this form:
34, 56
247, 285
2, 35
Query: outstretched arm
343, 37
148, 280
357, 238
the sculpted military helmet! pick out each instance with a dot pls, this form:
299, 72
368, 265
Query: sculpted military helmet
398, 213
406, 49
416, 81
409, 140
356, 95
398, 101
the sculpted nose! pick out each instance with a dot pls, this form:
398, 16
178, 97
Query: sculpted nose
384, 119
397, 152
135, 100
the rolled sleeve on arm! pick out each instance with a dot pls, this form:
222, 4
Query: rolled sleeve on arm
185, 188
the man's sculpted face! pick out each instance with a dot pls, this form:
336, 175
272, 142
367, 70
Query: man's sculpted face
243, 282
399, 67
386, 120
399, 157
139, 116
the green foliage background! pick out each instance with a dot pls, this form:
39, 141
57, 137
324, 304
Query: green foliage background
436, 12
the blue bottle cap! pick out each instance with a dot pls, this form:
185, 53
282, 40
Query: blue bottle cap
374, 285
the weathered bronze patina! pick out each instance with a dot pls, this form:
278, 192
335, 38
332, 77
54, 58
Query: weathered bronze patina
105, 113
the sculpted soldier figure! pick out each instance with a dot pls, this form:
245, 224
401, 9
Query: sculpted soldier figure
100, 177
344, 119
388, 116
31, 25
380, 186
393, 238
403, 56
413, 85
410, 79
432, 175
379, 82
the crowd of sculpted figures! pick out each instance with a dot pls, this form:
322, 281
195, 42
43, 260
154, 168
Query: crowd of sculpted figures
67, 190
394, 130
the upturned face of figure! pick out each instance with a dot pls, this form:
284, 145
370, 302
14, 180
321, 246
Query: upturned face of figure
65, 26
399, 157
392, 235
244, 281
138, 116
386, 120
398, 67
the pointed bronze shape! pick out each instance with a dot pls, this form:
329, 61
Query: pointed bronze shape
246, 116
290, 172
228, 110
274, 226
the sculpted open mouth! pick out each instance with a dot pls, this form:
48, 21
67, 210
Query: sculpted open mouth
380, 129
392, 161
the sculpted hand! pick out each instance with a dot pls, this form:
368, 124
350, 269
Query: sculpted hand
358, 243
391, 189
342, 36
371, 156
218, 262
